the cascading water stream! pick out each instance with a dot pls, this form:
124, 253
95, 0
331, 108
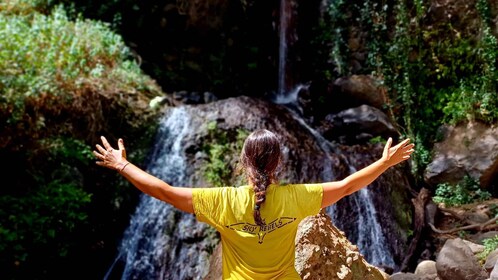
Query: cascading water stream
369, 238
282, 49
146, 249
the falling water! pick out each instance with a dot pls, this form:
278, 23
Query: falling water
368, 236
148, 246
282, 49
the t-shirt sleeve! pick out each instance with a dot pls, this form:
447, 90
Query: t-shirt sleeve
310, 198
209, 204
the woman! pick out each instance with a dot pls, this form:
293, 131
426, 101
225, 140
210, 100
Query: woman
257, 222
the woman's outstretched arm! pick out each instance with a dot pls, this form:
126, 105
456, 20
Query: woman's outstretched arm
180, 198
334, 191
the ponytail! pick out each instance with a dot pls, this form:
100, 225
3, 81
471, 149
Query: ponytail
260, 158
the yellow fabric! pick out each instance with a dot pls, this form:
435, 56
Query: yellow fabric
250, 251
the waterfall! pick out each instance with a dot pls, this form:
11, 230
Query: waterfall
151, 247
368, 234
284, 18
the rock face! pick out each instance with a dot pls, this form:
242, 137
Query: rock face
457, 262
470, 148
359, 90
357, 125
323, 252
308, 157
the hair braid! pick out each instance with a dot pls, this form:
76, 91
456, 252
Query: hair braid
260, 158
261, 181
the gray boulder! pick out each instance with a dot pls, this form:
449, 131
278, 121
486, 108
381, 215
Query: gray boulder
470, 148
457, 262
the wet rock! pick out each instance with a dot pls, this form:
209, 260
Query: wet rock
470, 148
186, 97
357, 125
360, 89
457, 262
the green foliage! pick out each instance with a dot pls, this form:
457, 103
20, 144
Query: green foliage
78, 57
467, 191
434, 73
490, 244
42, 220
221, 146
58, 79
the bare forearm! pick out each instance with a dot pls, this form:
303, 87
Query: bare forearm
180, 198
365, 176
145, 182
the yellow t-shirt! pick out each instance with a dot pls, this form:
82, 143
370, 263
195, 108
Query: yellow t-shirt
251, 251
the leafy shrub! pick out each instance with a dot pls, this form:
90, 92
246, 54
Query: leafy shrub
221, 146
467, 191
490, 244
80, 59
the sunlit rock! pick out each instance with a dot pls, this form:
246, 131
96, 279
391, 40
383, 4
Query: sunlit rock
469, 148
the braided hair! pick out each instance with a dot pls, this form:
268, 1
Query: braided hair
260, 158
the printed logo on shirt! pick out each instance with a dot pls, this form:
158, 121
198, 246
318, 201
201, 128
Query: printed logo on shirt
261, 231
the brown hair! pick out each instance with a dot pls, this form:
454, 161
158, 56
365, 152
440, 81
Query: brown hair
260, 158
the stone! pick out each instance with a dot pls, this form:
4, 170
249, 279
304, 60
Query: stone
426, 270
479, 237
475, 248
324, 252
470, 148
357, 125
361, 89
456, 261
404, 276
494, 273
491, 260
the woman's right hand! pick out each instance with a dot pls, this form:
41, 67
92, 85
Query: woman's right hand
110, 157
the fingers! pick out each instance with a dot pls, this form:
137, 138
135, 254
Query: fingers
98, 155
121, 144
389, 143
107, 146
402, 143
101, 150
387, 147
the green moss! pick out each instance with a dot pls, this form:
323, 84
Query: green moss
222, 148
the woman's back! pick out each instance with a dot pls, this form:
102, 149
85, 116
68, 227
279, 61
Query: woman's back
251, 251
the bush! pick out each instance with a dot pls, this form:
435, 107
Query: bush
467, 191
63, 83
221, 146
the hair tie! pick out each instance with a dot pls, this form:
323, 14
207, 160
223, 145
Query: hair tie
256, 207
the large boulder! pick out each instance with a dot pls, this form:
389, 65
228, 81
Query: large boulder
470, 148
323, 252
357, 90
457, 262
357, 125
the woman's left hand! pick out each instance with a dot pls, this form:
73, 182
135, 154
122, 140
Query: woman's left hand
398, 153
110, 157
